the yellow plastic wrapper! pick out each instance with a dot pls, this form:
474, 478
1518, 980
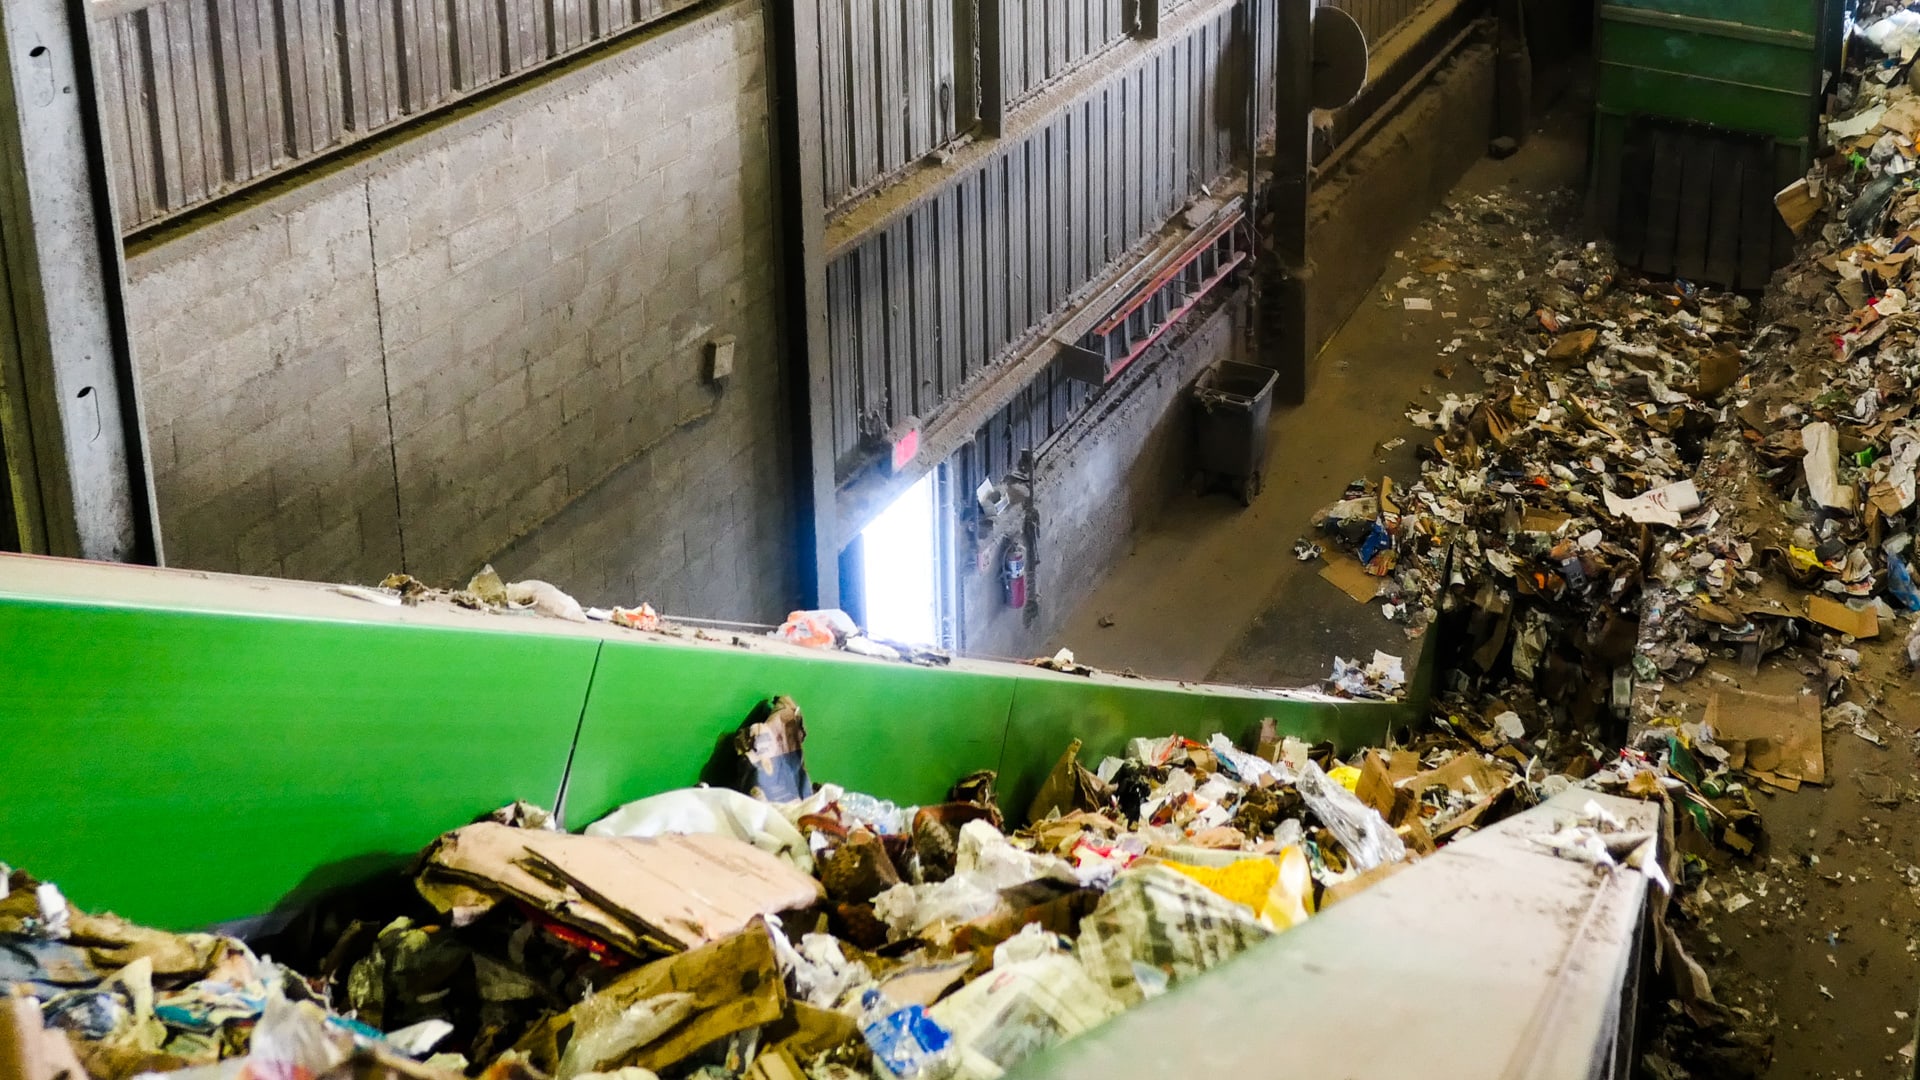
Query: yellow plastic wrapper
1802, 559
1346, 776
1279, 889
1245, 882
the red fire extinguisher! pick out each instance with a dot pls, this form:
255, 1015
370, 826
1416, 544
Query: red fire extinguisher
1014, 574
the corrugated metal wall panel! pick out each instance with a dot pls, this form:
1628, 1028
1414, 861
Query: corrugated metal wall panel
1379, 18
200, 97
975, 269
1045, 39
887, 89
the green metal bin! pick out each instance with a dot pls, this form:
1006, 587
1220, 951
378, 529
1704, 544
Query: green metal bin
1704, 109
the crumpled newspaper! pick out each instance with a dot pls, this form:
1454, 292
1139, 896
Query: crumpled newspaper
1161, 920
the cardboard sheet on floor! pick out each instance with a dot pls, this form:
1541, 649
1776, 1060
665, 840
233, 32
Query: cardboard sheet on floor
1351, 578
664, 893
1767, 734
1835, 615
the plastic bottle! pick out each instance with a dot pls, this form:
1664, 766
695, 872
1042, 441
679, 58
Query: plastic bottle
906, 1043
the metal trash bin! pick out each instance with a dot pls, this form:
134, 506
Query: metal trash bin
1234, 402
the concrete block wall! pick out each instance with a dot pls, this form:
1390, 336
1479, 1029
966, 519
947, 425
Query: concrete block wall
489, 343
1107, 477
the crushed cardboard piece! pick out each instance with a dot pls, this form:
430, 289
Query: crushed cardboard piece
1376, 784
1467, 774
1351, 578
1346, 890
29, 1050
1781, 734
1798, 204
1573, 345
1864, 623
720, 988
807, 1031
775, 1063
657, 894
1719, 369
1070, 786
1543, 520
925, 984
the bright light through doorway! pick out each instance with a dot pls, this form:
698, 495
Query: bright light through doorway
902, 576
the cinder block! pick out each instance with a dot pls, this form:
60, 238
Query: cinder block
578, 230
485, 237
559, 284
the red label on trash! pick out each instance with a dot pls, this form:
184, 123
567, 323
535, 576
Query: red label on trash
905, 450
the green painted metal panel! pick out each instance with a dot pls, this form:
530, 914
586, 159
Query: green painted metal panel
189, 767
1788, 70
1749, 66
1639, 92
658, 711
1792, 15
188, 749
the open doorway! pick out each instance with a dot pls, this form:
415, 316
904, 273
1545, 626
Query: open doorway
904, 560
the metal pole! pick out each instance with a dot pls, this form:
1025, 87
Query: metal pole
1285, 319
75, 444
795, 31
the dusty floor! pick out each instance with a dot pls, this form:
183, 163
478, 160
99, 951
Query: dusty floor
1269, 619
1815, 937
1817, 934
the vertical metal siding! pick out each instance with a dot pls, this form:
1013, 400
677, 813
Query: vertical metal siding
887, 89
1379, 18
949, 290
200, 97
1045, 39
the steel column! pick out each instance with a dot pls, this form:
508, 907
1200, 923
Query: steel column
69, 403
1285, 303
989, 35
795, 30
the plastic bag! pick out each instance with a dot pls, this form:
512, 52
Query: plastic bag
1369, 840
605, 1031
715, 811
985, 855
816, 629
1245, 767
640, 618
547, 599
909, 910
817, 972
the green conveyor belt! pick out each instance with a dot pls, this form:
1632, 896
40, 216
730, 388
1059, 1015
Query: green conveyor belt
187, 749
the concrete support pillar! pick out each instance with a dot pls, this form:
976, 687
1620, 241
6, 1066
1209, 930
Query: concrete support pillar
1284, 297
795, 34
74, 445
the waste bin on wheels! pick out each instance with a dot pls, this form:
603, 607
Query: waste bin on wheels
1234, 402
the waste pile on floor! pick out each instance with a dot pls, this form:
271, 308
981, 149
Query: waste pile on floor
775, 929
1661, 488
488, 592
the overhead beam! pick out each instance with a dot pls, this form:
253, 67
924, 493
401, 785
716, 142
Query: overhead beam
69, 401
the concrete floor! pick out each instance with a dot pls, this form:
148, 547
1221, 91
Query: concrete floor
1213, 592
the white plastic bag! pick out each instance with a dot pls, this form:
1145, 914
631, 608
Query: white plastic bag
1369, 840
710, 811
